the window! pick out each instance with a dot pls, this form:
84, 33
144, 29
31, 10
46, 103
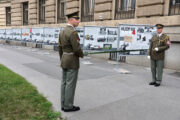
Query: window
61, 11
87, 10
41, 11
174, 8
125, 9
8, 15
25, 13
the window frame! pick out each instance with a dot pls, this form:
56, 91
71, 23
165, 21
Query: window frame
25, 10
8, 16
174, 7
61, 18
87, 10
125, 9
42, 11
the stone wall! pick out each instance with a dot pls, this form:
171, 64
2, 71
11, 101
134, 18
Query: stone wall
149, 8
103, 10
33, 12
173, 32
50, 11
16, 13
173, 56
3, 6
72, 5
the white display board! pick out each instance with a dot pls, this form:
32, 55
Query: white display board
51, 35
81, 34
56, 35
123, 37
37, 34
133, 37
100, 38
16, 33
9, 34
2, 33
26, 34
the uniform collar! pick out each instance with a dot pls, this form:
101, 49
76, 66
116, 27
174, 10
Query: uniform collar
70, 25
159, 35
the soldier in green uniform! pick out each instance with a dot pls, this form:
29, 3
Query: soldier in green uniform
159, 43
69, 51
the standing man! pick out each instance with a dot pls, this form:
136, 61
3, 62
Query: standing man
159, 43
69, 51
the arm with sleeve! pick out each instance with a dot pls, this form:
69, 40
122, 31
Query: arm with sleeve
60, 47
74, 39
165, 46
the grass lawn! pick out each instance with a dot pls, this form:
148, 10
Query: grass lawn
19, 100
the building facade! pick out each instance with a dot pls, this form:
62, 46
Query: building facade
51, 13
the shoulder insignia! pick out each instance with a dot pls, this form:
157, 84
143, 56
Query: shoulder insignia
75, 33
77, 39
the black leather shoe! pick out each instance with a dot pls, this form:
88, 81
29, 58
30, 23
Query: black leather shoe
75, 108
157, 85
152, 83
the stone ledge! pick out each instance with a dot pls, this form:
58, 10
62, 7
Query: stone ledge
48, 47
102, 1
141, 3
23, 43
56, 48
105, 15
68, 11
2, 41
155, 10
30, 44
103, 7
38, 45
72, 4
12, 42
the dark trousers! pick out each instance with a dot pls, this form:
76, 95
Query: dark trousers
157, 70
68, 86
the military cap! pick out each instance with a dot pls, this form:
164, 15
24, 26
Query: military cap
159, 26
73, 15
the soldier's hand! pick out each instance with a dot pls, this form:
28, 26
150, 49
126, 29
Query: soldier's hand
85, 53
169, 42
156, 49
148, 57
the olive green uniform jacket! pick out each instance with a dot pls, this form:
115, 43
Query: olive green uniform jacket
69, 48
161, 43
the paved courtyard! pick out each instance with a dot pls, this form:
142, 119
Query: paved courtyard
103, 91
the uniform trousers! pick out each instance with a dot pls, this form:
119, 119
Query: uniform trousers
68, 86
157, 70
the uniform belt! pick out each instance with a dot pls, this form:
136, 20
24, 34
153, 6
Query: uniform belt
66, 53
